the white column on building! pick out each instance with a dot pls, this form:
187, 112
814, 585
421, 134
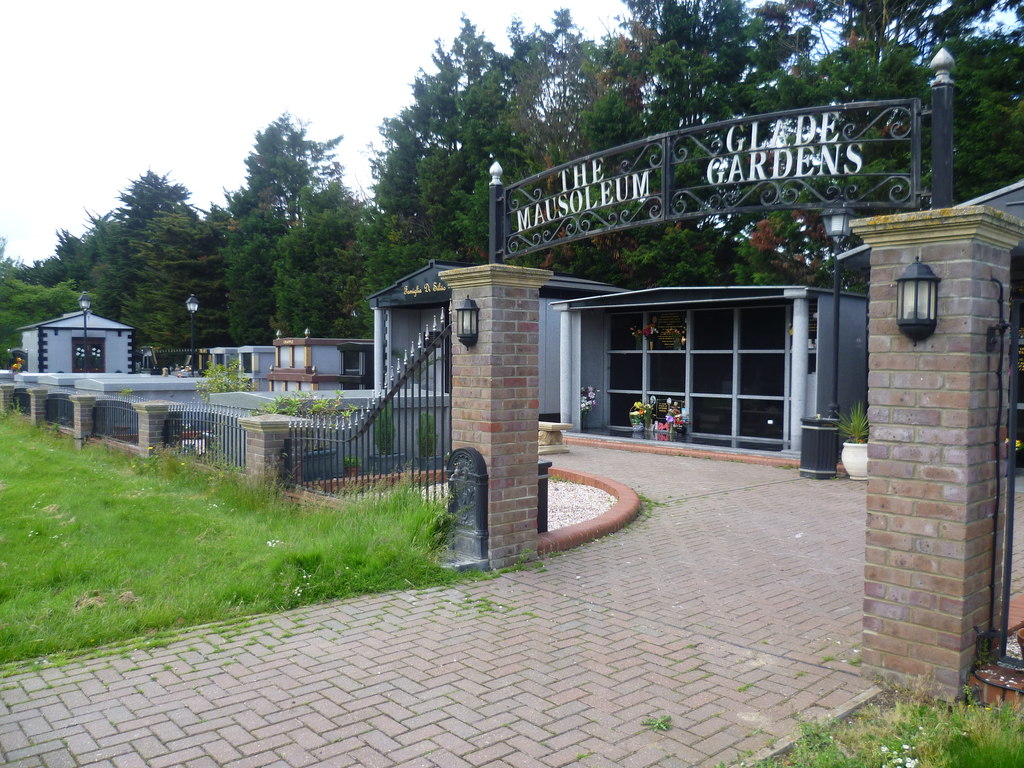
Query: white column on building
565, 362
798, 371
380, 343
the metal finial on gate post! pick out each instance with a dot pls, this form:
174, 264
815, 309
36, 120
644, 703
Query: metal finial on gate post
942, 129
496, 216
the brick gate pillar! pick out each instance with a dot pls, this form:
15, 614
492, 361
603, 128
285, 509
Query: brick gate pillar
495, 398
932, 463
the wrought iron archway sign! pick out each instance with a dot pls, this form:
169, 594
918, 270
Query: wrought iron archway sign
858, 156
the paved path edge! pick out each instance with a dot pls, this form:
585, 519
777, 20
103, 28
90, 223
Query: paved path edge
622, 512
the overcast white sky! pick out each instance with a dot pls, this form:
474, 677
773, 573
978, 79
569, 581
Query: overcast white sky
97, 92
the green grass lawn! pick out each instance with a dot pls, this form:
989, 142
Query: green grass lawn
97, 547
909, 730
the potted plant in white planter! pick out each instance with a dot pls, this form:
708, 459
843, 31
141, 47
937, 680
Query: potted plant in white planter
853, 428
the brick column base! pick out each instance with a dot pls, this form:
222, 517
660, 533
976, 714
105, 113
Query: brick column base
933, 470
37, 405
82, 406
265, 438
152, 415
496, 400
6, 397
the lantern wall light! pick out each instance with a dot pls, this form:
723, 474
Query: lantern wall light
917, 291
467, 322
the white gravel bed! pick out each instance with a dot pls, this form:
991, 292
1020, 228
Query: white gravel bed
568, 503
571, 503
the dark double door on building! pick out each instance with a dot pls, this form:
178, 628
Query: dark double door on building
88, 355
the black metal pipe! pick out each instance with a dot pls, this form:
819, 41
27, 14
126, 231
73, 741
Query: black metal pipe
1011, 471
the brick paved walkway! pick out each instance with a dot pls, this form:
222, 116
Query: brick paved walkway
733, 607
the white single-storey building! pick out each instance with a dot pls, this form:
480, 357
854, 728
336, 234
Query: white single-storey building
78, 342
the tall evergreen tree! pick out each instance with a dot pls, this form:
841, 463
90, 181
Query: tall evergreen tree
286, 172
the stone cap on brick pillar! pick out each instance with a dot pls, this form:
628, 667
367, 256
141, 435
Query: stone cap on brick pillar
82, 399
38, 391
153, 406
975, 222
267, 423
495, 274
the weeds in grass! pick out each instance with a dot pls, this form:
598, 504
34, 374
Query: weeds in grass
142, 547
913, 732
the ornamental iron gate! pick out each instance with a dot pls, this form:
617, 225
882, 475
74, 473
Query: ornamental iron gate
404, 433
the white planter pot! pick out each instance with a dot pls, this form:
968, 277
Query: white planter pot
855, 460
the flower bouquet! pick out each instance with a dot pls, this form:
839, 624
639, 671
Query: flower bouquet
588, 399
640, 414
675, 416
677, 337
648, 332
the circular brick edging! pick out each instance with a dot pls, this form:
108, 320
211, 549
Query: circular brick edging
624, 510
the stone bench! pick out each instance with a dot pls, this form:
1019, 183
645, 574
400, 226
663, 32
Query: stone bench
549, 437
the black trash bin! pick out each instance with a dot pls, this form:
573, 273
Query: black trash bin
819, 448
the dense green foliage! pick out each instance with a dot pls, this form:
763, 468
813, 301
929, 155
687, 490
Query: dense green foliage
223, 378
294, 248
23, 303
113, 556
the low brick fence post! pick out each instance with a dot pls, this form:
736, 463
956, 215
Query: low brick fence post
152, 415
265, 437
933, 466
6, 397
37, 405
82, 406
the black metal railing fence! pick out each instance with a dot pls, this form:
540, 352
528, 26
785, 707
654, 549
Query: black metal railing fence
210, 433
59, 409
402, 433
22, 400
116, 419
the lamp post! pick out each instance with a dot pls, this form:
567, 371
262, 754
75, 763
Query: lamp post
192, 304
837, 227
84, 302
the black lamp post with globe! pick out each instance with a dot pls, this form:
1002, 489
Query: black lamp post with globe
192, 304
85, 303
